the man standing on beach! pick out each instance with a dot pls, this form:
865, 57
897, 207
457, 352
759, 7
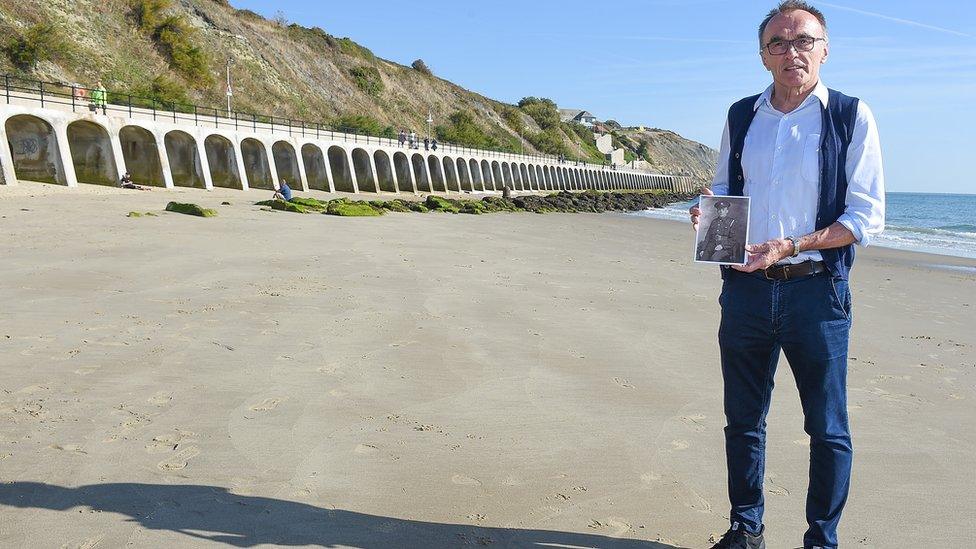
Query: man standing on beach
812, 166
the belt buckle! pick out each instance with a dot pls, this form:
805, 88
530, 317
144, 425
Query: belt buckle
784, 271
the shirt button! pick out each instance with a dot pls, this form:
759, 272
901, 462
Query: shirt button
740, 178
737, 155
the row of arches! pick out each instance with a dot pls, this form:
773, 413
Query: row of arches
179, 160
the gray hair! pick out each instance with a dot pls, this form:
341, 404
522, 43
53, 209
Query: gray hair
787, 6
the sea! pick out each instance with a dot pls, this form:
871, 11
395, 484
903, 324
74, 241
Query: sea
942, 224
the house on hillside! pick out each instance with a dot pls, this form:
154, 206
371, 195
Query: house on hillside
585, 118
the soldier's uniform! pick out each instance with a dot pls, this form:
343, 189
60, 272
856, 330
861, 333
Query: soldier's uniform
721, 242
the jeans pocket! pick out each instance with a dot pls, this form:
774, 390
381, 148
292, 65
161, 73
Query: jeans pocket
841, 295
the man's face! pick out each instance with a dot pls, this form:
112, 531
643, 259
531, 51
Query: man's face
794, 69
722, 212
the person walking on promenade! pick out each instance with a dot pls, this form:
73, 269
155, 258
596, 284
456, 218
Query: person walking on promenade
99, 98
402, 137
426, 143
433, 144
413, 139
812, 167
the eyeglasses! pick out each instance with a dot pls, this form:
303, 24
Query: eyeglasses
803, 43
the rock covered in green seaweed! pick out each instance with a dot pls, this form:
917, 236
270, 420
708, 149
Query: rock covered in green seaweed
190, 209
349, 208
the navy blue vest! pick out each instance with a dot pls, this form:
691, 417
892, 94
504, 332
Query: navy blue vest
835, 136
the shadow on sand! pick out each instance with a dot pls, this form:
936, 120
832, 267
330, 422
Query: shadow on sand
213, 514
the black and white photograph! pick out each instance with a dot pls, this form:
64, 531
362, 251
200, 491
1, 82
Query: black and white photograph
723, 231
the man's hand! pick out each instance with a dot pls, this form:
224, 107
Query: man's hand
765, 254
695, 211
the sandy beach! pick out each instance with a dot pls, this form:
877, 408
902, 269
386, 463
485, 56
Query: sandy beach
432, 380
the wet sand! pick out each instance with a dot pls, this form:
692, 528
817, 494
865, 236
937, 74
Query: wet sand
506, 380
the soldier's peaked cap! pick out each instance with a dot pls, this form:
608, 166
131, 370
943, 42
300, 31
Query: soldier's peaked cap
722, 204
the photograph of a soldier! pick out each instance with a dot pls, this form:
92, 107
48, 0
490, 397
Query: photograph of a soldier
723, 231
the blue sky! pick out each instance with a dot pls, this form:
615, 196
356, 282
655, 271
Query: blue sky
678, 64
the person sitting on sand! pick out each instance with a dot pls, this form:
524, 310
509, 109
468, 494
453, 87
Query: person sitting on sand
283, 192
126, 183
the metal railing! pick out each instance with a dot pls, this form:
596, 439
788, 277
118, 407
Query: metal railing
76, 97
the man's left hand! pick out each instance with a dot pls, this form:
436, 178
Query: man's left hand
765, 255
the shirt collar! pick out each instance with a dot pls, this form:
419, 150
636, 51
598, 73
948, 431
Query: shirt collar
819, 91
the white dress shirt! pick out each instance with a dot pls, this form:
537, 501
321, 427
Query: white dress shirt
781, 169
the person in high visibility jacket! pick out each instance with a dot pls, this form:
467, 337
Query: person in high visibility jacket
99, 98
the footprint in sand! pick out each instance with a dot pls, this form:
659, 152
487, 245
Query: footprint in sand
699, 503
512, 481
180, 459
266, 405
650, 478
679, 445
85, 370
615, 527
776, 488
89, 543
696, 421
625, 383
464, 480
365, 449
169, 441
72, 448
161, 398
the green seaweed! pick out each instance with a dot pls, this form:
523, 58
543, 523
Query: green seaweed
282, 205
418, 207
396, 205
439, 204
346, 208
310, 203
190, 209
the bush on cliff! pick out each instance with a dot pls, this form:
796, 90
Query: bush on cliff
463, 130
174, 37
542, 110
368, 80
548, 141
40, 42
365, 125
421, 67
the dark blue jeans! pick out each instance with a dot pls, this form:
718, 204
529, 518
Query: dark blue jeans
810, 320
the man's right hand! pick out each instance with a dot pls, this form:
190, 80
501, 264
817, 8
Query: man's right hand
695, 211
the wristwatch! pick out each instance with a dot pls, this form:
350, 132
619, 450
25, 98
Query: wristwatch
796, 245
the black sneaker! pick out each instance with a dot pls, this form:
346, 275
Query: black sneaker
739, 538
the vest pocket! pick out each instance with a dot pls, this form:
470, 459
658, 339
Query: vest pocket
810, 165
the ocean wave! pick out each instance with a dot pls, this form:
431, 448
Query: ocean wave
963, 228
939, 231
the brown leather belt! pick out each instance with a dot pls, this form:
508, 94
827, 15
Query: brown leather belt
792, 271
